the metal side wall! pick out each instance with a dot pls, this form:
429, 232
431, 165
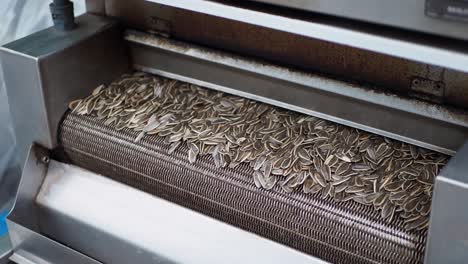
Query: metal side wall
141, 228
448, 229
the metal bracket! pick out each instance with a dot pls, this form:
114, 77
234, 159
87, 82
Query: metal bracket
427, 89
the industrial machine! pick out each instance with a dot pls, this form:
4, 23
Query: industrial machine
241, 132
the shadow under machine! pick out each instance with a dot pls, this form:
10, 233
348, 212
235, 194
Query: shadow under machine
242, 132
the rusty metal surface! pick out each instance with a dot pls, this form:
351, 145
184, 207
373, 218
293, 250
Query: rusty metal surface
342, 62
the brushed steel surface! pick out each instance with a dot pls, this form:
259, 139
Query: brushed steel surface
116, 223
51, 68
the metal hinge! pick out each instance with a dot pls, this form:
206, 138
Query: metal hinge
428, 89
431, 87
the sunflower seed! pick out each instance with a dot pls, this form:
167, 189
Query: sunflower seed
307, 186
140, 136
74, 104
418, 222
192, 156
267, 168
256, 179
388, 210
319, 179
342, 168
410, 204
394, 186
259, 162
173, 147
354, 189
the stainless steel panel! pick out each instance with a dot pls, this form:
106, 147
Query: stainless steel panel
46, 70
51, 68
400, 13
446, 53
31, 247
448, 230
5, 249
22, 78
417, 122
141, 228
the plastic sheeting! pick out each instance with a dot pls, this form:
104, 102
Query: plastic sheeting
18, 18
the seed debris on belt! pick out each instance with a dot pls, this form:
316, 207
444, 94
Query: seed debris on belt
292, 150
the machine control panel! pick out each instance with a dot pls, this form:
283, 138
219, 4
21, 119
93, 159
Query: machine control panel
448, 9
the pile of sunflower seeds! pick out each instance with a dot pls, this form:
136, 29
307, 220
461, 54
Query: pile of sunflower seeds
295, 151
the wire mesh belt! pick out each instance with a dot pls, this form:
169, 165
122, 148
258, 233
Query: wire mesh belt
339, 232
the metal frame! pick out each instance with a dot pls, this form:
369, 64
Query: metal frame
446, 53
399, 13
448, 229
431, 126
